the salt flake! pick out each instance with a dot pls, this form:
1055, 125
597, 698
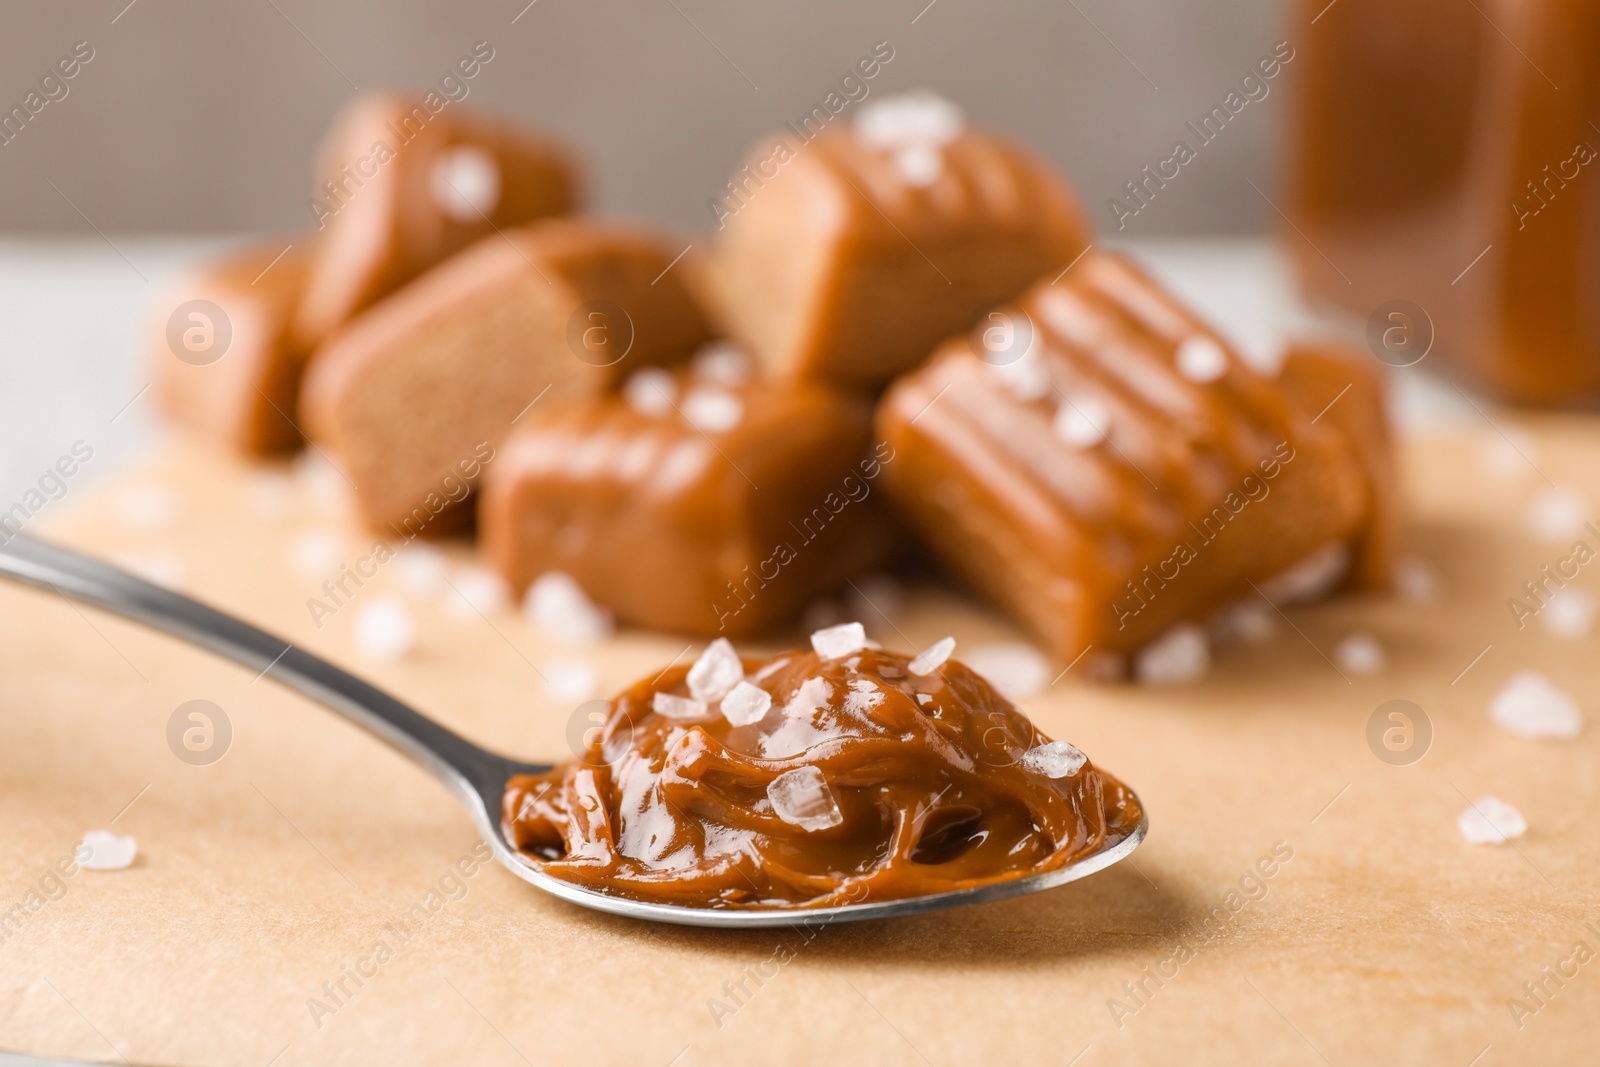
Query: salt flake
841, 640
675, 707
102, 850
1180, 655
384, 629
1200, 359
1491, 821
933, 657
801, 797
746, 704
716, 672
1057, 759
1530, 706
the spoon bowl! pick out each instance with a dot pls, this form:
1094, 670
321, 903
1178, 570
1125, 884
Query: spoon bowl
475, 775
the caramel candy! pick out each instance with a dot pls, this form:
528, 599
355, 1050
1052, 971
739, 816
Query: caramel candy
222, 358
1341, 387
1435, 165
1117, 469
399, 188
811, 780
438, 373
692, 501
848, 257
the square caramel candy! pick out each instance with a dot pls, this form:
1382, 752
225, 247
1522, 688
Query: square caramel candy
849, 256
691, 501
439, 372
1106, 466
1343, 387
222, 355
399, 187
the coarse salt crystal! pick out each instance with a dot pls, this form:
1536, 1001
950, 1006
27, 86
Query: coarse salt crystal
1312, 578
477, 592
801, 797
102, 850
675, 707
1530, 706
1416, 582
1491, 821
841, 640
314, 552
723, 363
558, 606
1026, 376
1557, 514
913, 118
919, 165
1200, 359
1057, 759
651, 391
716, 672
1017, 670
422, 569
711, 409
570, 680
933, 657
1180, 655
746, 704
1250, 621
384, 630
1082, 423
327, 486
1360, 654
1570, 613
465, 184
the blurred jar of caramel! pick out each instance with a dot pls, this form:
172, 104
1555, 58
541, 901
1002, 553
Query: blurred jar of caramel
1444, 180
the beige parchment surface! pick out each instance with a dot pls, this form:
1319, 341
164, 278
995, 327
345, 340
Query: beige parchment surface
275, 871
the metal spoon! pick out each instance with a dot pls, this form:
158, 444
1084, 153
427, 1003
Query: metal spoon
477, 777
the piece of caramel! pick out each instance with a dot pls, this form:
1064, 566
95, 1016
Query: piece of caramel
442, 370
691, 504
1115, 467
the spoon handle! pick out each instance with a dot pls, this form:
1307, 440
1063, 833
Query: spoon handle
477, 775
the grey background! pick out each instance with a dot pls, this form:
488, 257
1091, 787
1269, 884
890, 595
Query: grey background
199, 116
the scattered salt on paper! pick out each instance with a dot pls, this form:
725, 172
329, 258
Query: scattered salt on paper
1530, 706
1360, 654
475, 592
1491, 821
1017, 670
102, 850
384, 629
557, 605
570, 680
1180, 655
